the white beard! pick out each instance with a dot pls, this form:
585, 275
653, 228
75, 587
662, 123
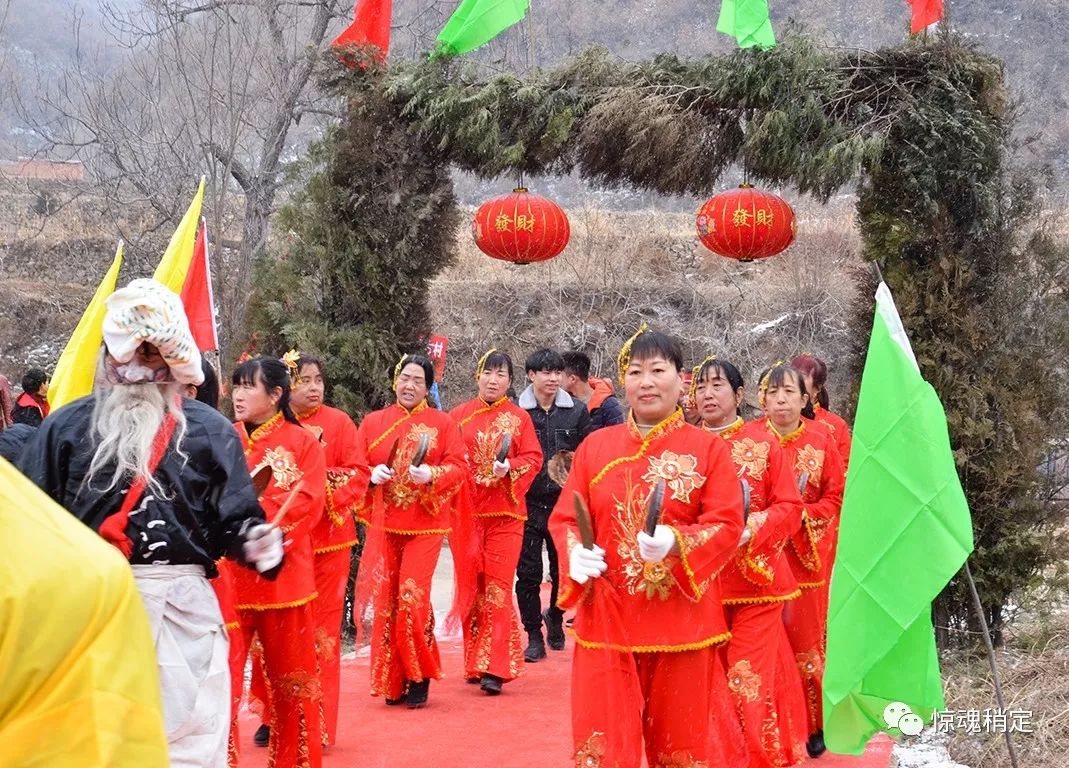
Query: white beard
125, 421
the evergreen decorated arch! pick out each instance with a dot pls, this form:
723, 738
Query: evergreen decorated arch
921, 129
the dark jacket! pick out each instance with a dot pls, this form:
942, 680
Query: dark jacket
30, 410
561, 428
208, 501
13, 439
605, 409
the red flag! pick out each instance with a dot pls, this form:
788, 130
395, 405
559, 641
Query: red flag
197, 295
371, 26
925, 13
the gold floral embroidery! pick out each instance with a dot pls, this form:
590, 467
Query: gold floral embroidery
679, 471
751, 456
810, 460
590, 752
651, 579
810, 664
283, 467
495, 595
680, 759
326, 644
487, 444
316, 430
410, 594
743, 681
301, 684
818, 526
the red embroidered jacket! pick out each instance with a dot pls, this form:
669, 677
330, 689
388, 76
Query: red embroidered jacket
811, 449
411, 508
483, 426
839, 429
293, 454
673, 605
759, 572
348, 475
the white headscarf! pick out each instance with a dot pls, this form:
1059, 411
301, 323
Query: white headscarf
148, 311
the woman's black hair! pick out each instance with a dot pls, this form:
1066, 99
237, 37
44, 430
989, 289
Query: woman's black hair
498, 359
272, 373
817, 370
423, 362
777, 374
208, 390
652, 343
721, 369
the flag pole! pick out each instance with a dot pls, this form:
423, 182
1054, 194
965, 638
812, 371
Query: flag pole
990, 657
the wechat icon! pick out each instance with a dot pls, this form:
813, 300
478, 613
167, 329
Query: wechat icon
900, 716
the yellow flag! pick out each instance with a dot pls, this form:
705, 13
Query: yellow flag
80, 682
76, 369
179, 254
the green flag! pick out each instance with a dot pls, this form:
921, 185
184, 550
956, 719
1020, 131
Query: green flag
747, 21
905, 531
476, 22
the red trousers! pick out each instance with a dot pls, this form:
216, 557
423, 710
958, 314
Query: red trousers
492, 639
403, 647
806, 621
682, 711
238, 652
764, 685
289, 662
331, 575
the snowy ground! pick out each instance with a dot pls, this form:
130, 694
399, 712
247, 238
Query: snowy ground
927, 751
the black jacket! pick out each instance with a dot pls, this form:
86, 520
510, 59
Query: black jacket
208, 501
561, 428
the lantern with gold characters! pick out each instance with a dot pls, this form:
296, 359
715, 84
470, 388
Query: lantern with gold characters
520, 227
746, 224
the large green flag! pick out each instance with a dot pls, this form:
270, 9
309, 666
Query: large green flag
476, 22
905, 531
748, 22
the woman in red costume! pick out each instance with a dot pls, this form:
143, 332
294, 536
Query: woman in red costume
410, 513
758, 582
814, 461
815, 373
279, 612
493, 642
649, 622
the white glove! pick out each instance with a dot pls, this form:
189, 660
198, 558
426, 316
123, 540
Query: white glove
584, 564
381, 474
747, 534
655, 548
263, 546
501, 468
420, 475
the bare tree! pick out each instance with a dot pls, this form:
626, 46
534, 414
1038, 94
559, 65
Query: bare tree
210, 87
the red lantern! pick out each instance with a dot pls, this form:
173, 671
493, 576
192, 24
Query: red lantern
746, 224
520, 227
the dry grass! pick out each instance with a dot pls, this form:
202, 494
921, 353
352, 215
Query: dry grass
1035, 677
623, 268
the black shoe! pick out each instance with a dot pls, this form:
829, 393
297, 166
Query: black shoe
536, 647
815, 744
263, 735
417, 694
491, 685
398, 701
472, 680
554, 629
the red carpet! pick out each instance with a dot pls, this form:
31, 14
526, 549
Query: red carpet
527, 726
